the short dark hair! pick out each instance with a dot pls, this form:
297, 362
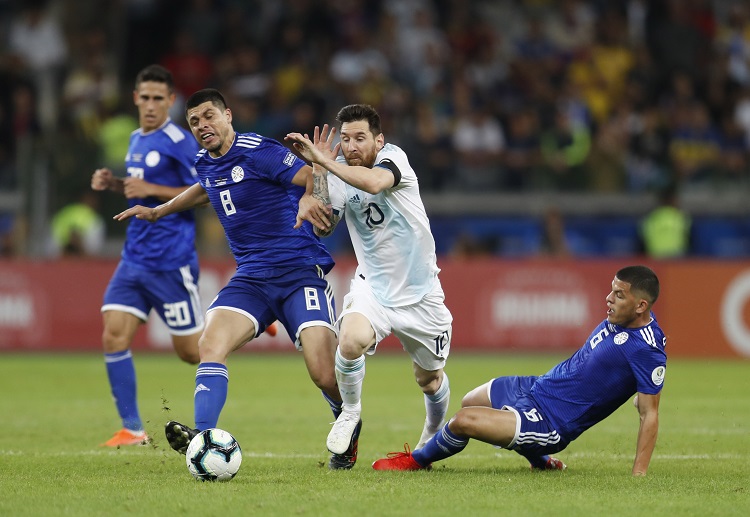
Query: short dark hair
355, 112
156, 74
641, 278
206, 95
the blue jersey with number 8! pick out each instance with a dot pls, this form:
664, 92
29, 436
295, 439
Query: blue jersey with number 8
251, 190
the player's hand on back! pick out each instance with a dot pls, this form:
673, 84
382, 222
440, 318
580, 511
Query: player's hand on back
313, 210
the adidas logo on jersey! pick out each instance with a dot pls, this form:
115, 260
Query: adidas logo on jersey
354, 199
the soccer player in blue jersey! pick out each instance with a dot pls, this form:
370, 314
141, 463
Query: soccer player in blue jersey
158, 268
539, 416
260, 190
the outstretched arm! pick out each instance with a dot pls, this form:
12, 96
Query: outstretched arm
138, 188
190, 198
372, 181
648, 409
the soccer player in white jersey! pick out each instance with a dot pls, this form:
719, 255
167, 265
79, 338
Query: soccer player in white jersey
395, 289
539, 416
258, 189
159, 265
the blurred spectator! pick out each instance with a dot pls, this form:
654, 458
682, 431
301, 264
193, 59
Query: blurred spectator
422, 49
666, 229
26, 126
733, 165
202, 19
733, 40
678, 43
36, 41
356, 61
467, 246
648, 153
432, 140
113, 137
570, 27
192, 68
247, 79
606, 160
78, 229
695, 145
554, 242
522, 156
479, 142
7, 235
92, 87
565, 148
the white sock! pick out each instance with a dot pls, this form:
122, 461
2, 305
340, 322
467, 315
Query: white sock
436, 405
350, 375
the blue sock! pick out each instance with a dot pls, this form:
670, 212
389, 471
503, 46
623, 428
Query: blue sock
538, 462
335, 406
211, 386
443, 445
121, 373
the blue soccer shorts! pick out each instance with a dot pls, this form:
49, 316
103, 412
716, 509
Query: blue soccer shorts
535, 435
172, 294
298, 297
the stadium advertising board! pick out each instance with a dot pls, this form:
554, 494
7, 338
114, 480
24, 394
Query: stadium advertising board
536, 305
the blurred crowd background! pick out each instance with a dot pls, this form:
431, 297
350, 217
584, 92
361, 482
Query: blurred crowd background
535, 126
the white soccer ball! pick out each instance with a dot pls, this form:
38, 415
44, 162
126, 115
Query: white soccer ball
213, 455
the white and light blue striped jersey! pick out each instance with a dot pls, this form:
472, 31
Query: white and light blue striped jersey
251, 189
613, 365
390, 233
164, 156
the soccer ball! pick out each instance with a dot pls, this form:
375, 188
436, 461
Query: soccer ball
213, 455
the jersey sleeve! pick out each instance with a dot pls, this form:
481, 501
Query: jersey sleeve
337, 194
395, 160
649, 365
187, 151
182, 148
275, 162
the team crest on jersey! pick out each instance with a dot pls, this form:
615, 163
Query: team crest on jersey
289, 159
658, 375
153, 158
238, 173
621, 338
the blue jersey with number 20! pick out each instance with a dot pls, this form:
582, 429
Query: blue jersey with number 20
164, 156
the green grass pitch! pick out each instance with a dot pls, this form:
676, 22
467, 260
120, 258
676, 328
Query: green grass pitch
56, 409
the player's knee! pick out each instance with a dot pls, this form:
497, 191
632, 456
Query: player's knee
429, 381
189, 356
186, 348
114, 341
211, 352
350, 346
462, 423
326, 381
